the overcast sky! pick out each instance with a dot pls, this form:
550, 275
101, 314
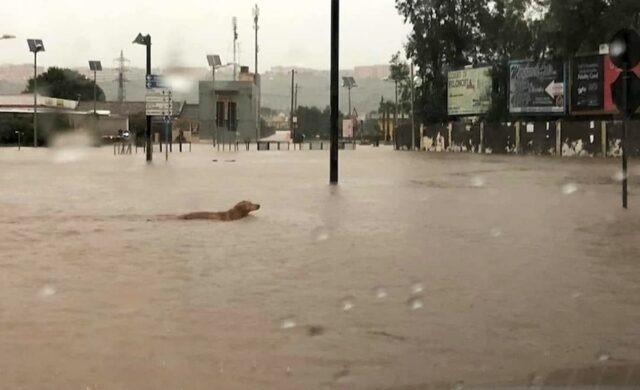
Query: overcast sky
292, 32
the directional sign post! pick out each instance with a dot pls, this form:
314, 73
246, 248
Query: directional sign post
624, 51
159, 102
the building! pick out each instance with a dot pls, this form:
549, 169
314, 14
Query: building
229, 113
377, 72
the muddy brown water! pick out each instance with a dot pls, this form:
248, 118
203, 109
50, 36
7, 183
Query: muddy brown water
418, 271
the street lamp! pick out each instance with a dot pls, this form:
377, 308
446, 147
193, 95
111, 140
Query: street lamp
19, 138
349, 82
146, 41
95, 66
214, 62
35, 46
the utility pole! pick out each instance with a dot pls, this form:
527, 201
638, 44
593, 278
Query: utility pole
293, 133
235, 47
257, 79
295, 100
413, 113
35, 99
122, 69
395, 112
335, 88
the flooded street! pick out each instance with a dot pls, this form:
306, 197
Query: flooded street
418, 271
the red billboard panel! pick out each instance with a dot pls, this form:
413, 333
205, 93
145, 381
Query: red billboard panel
611, 74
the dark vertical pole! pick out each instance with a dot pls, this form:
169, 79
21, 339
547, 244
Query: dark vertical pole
625, 96
349, 112
413, 121
148, 129
293, 133
335, 85
35, 99
95, 93
395, 113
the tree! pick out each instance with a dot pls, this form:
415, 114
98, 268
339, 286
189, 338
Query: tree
65, 84
314, 123
399, 73
510, 33
571, 27
446, 34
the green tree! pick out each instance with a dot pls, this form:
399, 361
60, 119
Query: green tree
399, 74
445, 34
570, 27
65, 84
510, 33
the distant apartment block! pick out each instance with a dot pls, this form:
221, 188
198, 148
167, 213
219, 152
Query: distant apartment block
378, 72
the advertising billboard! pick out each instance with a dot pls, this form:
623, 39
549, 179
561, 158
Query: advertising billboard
587, 84
469, 91
611, 74
536, 87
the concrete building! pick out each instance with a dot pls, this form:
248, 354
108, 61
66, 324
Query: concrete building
229, 113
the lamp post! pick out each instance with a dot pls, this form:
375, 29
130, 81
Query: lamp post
335, 98
146, 41
95, 66
214, 62
19, 139
35, 46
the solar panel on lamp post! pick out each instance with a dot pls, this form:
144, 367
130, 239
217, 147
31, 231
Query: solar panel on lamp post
35, 46
95, 66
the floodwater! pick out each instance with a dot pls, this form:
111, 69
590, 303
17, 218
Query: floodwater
419, 271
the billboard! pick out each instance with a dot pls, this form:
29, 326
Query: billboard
469, 91
611, 74
587, 84
536, 87
347, 128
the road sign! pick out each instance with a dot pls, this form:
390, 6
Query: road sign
633, 93
155, 81
159, 102
625, 48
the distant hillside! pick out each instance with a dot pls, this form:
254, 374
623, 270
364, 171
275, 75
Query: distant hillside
276, 87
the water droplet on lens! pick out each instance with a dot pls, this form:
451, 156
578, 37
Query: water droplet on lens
478, 181
288, 323
342, 376
603, 356
459, 385
618, 176
496, 232
536, 379
569, 188
417, 288
347, 303
320, 234
381, 293
415, 303
47, 291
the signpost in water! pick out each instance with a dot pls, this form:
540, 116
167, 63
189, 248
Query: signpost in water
624, 51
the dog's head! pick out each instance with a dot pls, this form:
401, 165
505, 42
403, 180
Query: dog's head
247, 206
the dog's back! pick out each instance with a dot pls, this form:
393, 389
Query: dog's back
239, 211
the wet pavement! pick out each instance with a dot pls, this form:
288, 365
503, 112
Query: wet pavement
418, 271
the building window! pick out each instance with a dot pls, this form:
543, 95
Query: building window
220, 114
233, 120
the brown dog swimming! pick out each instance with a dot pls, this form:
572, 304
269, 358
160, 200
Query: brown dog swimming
239, 211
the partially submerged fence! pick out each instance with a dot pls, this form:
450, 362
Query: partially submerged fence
561, 138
